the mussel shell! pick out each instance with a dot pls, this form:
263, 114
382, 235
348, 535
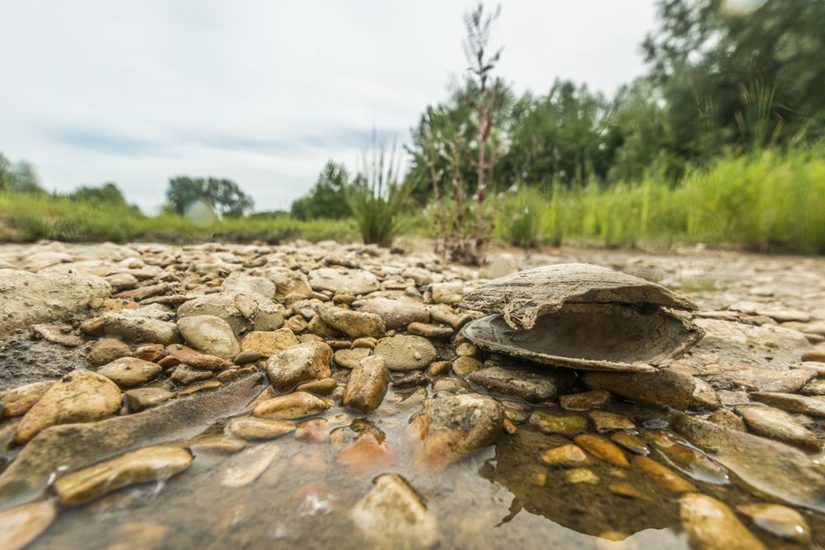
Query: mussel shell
594, 336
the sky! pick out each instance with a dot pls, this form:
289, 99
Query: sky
263, 92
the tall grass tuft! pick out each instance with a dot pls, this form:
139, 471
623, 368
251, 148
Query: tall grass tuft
521, 216
377, 197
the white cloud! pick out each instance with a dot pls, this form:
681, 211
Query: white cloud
263, 92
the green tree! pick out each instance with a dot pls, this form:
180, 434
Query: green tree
24, 178
328, 196
5, 173
223, 195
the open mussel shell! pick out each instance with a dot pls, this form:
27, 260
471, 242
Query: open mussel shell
581, 316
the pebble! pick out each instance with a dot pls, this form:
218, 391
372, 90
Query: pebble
525, 382
624, 489
602, 448
147, 352
558, 423
349, 358
55, 335
711, 525
437, 368
128, 372
343, 280
662, 475
313, 431
248, 466
816, 355
364, 342
464, 365
605, 421
566, 455
140, 466
299, 363
355, 324
405, 352
367, 384
246, 356
250, 427
215, 443
196, 359
449, 427
581, 475
778, 520
584, 401
144, 398
135, 329
427, 330
22, 524
396, 314
17, 401
322, 386
107, 350
412, 380
184, 374
80, 396
663, 387
814, 388
727, 419
394, 511
777, 424
291, 406
199, 387
814, 406
209, 334
367, 453
630, 442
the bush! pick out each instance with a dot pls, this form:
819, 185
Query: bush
521, 216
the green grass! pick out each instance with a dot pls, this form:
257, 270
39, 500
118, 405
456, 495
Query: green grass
29, 218
765, 201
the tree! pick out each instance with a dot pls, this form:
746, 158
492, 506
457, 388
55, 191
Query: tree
5, 173
223, 195
24, 178
328, 196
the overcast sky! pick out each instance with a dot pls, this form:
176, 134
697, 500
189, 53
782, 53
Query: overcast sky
260, 91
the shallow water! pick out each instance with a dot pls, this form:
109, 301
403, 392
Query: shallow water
494, 499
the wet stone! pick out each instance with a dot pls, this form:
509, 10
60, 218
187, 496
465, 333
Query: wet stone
394, 511
777, 424
299, 363
780, 521
17, 401
141, 466
405, 352
814, 406
21, 525
313, 431
662, 475
128, 372
630, 442
428, 330
204, 385
585, 476
247, 466
184, 374
411, 380
528, 383
80, 396
814, 388
603, 449
627, 490
566, 455
247, 356
664, 387
465, 365
605, 421
355, 324
710, 524
143, 398
322, 386
148, 352
291, 406
585, 400
367, 384
250, 427
558, 423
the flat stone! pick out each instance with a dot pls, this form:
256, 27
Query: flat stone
603, 449
322, 386
394, 511
664, 387
54, 334
576, 476
138, 330
203, 385
184, 374
107, 350
268, 343
209, 334
814, 406
246, 467
144, 398
17, 401
450, 427
291, 406
763, 465
141, 466
242, 311
355, 324
816, 355
197, 359
777, 424
349, 358
250, 427
630, 442
405, 352
704, 396
367, 384
584, 401
787, 381
566, 455
525, 382
558, 423
605, 421
780, 521
21, 525
709, 523
343, 280
299, 363
148, 352
661, 475
80, 396
396, 314
128, 372
428, 330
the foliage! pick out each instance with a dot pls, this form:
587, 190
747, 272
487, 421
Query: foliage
521, 214
377, 197
327, 198
223, 195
